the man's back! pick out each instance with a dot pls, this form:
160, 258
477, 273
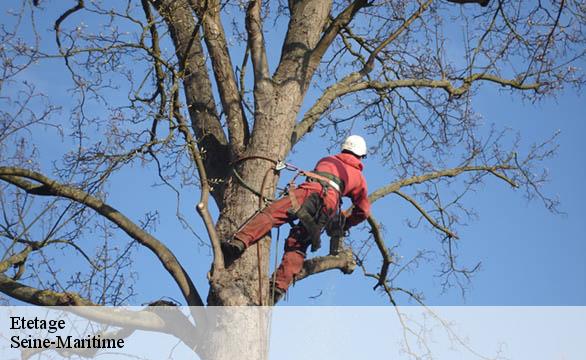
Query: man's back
348, 168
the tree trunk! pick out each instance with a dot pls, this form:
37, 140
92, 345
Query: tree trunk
242, 332
239, 284
239, 332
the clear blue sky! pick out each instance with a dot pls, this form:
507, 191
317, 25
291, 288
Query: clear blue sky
529, 256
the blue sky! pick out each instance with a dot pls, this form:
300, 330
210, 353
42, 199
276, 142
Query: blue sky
529, 256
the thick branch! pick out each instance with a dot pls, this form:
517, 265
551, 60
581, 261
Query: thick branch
306, 23
351, 84
263, 84
50, 187
397, 185
118, 317
341, 21
256, 41
312, 116
198, 89
215, 39
16, 259
344, 262
152, 319
34, 296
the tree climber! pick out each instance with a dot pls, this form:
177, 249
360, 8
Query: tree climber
316, 202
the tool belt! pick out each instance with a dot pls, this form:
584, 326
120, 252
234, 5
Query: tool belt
310, 213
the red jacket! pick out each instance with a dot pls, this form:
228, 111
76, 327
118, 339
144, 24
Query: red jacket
348, 168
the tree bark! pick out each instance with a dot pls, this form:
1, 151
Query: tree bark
212, 141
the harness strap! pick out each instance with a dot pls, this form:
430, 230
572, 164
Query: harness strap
326, 179
294, 203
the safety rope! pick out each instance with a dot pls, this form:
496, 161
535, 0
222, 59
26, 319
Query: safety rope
254, 157
259, 268
274, 279
249, 188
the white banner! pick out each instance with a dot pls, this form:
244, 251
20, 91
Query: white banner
293, 333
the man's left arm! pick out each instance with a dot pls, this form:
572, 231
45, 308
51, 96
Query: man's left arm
361, 209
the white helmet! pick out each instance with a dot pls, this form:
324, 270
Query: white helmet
355, 144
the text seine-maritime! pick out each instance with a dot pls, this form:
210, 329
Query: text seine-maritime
59, 342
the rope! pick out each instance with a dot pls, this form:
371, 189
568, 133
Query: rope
274, 279
249, 188
262, 186
261, 199
259, 267
252, 157
276, 168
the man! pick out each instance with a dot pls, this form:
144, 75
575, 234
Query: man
314, 203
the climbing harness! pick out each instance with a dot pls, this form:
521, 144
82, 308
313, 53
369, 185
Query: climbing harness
311, 219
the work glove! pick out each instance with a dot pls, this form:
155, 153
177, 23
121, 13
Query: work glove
335, 226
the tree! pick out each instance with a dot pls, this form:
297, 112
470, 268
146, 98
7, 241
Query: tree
165, 74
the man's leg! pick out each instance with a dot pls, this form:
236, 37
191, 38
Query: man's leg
276, 214
273, 215
292, 263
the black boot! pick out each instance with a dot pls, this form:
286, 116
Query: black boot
232, 250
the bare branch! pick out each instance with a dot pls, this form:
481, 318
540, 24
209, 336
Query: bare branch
57, 27
397, 185
427, 217
202, 206
339, 89
382, 248
350, 84
50, 187
370, 62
